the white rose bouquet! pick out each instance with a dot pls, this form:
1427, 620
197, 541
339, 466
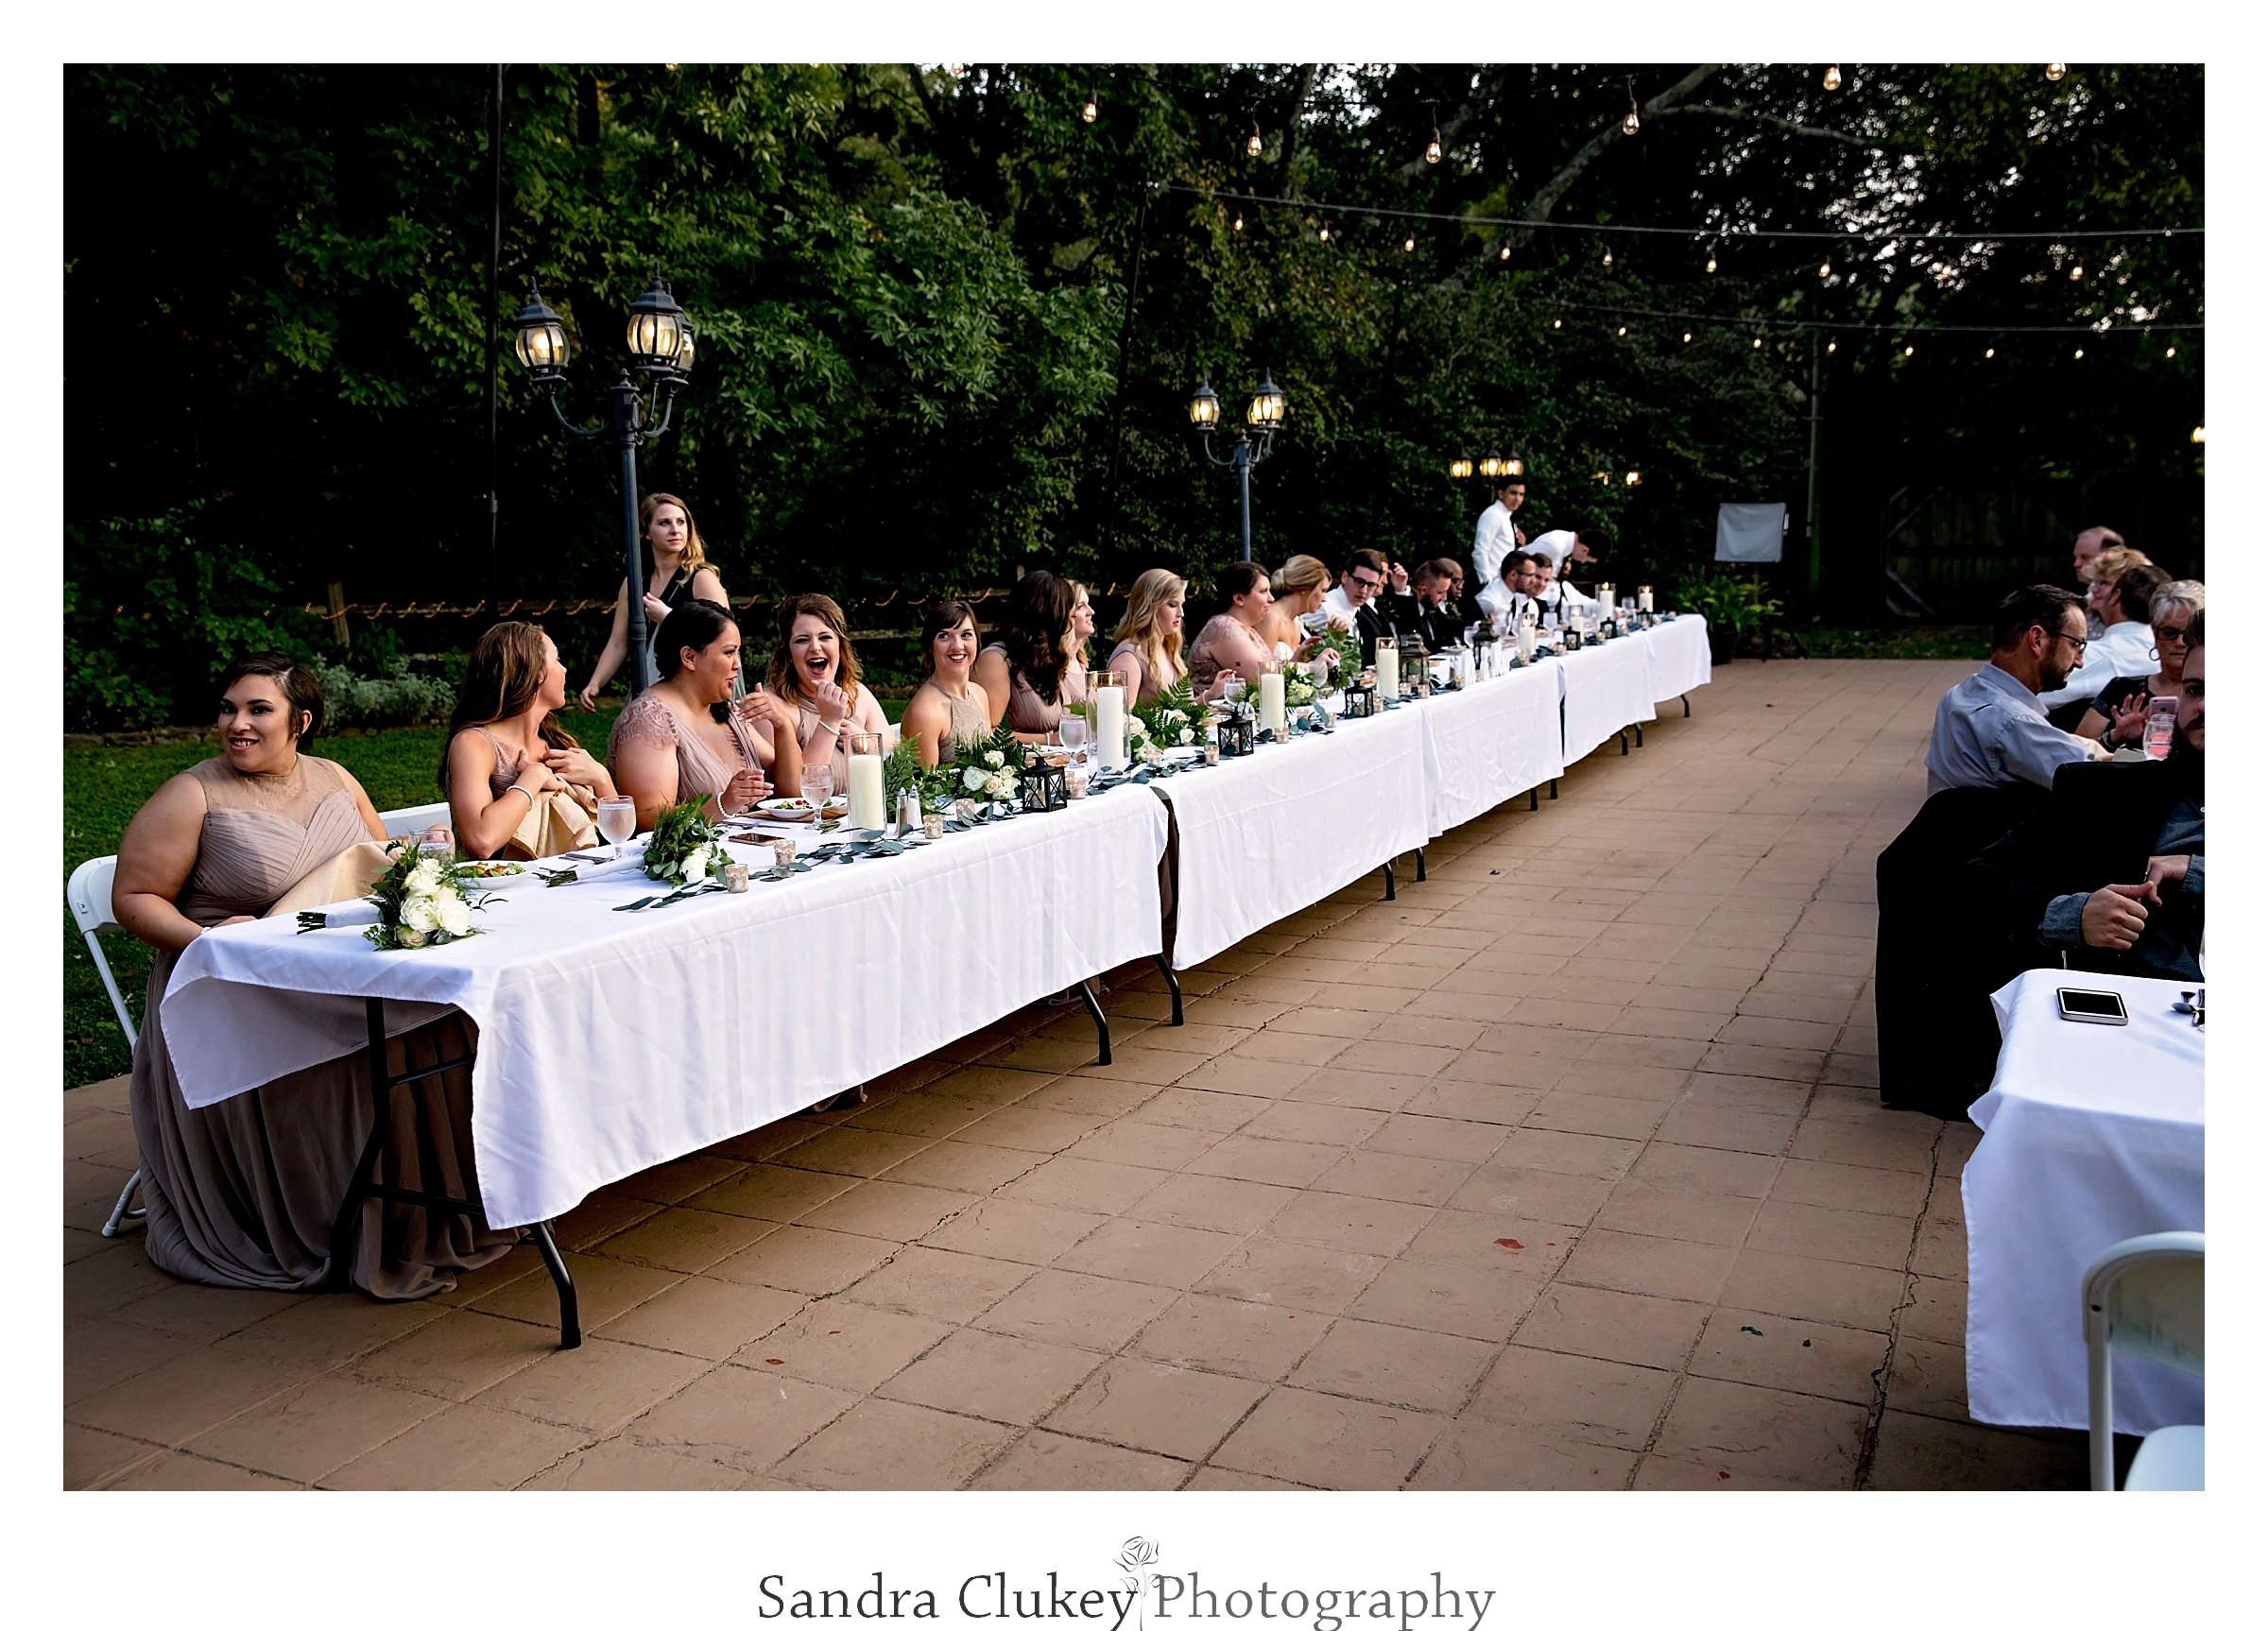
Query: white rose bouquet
420, 902
685, 847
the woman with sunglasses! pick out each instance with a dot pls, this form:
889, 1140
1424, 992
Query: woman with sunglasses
2122, 709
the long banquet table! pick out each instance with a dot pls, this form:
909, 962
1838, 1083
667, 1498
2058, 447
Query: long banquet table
611, 1041
2093, 1134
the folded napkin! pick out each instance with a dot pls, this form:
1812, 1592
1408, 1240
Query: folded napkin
555, 822
347, 876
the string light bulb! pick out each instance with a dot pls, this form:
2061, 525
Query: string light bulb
1505, 253
1432, 149
1713, 259
1909, 350
1988, 354
1630, 119
1408, 243
1240, 224
1089, 111
1621, 331
1606, 258
1555, 324
2078, 351
2169, 351
1757, 344
1252, 141
1833, 78
1831, 348
2077, 272
1825, 269
2055, 73
2197, 435
1688, 336
1630, 478
1323, 234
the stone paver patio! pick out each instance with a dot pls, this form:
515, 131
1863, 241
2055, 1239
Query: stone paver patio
1565, 1170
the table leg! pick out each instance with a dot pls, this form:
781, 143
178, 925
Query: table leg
1388, 869
571, 1329
1623, 737
1422, 864
1102, 1021
1532, 798
1642, 735
1554, 786
1172, 984
1688, 706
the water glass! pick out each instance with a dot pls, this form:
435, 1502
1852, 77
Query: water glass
818, 784
1075, 731
617, 820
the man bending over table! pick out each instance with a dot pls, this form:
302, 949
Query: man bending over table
2111, 871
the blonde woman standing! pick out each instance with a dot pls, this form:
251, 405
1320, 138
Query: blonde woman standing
681, 571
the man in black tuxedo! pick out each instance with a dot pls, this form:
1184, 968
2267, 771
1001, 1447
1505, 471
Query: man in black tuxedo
1438, 622
2109, 875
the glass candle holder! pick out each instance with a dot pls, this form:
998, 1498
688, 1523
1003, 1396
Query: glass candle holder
868, 808
736, 878
1387, 663
1107, 691
783, 851
933, 824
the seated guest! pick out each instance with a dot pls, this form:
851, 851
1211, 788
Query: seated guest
246, 1193
1501, 600
1398, 602
1297, 591
2085, 547
1360, 583
949, 711
1438, 623
1076, 639
1148, 652
816, 670
1991, 728
683, 738
1552, 595
2121, 710
1230, 641
2110, 874
1022, 674
519, 786
2125, 651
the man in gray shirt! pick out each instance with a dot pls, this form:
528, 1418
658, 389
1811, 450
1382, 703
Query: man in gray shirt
1992, 728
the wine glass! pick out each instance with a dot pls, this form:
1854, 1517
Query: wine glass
617, 820
1075, 731
817, 785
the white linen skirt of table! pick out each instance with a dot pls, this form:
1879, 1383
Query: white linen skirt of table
2093, 1134
611, 1041
1606, 687
1488, 743
1269, 835
1677, 656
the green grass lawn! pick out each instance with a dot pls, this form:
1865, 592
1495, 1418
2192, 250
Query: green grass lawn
104, 786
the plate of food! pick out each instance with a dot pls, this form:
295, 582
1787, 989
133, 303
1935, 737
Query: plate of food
493, 874
801, 809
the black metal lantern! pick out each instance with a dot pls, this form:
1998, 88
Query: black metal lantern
1044, 787
540, 340
1361, 696
1575, 638
1204, 407
1264, 412
658, 331
1235, 735
1460, 466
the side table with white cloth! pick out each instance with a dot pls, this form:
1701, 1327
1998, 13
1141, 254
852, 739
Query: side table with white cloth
1678, 656
1606, 687
2093, 1134
1494, 740
611, 1041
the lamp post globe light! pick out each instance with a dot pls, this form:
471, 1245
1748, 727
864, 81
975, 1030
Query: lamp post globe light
1254, 439
637, 410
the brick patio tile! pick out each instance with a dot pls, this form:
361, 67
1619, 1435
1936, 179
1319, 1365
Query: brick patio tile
1266, 1160
1051, 1461
680, 1240
1351, 1024
1250, 1078
1147, 1404
1022, 1127
1091, 1096
1708, 1127
1705, 1171
673, 1181
310, 1431
1421, 1179
1764, 1031
1316, 1124
1784, 1064
1068, 1180
1187, 1108
840, 1343
1763, 1095
989, 1085
1483, 1239
625, 1463
889, 1210
1814, 1289
1155, 1146
1232, 1206
1395, 1364
465, 1446
971, 1169
1483, 1300
599, 1386
1924, 1453
1348, 1223
1617, 1079
1331, 1443
106, 1282
1874, 1238
1662, 1472
1941, 1246
1676, 1213
940, 1285
1429, 1031
1292, 1276
779, 1195
855, 1152
764, 1144
1927, 1378
1475, 1453
1360, 1091
1793, 1355
1601, 1118
740, 1416
1852, 1188
1000, 1377
1526, 1192
1018, 1230
1573, 1396
1222, 1478
1937, 1311
1152, 1064
101, 1353
1077, 1310
1437, 1137
1635, 1329
90, 1456
203, 1312
1727, 1426
1047, 1055
1290, 1047
815, 1261
704, 1318
923, 1115
1486, 1102
1587, 1154
1150, 1252
1248, 1339
1396, 1059
458, 1355
604, 1287
1649, 1265
174, 1469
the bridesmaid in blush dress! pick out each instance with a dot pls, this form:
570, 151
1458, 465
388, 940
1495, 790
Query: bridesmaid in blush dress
246, 1193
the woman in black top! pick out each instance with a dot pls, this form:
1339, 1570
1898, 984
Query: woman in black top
681, 571
2121, 710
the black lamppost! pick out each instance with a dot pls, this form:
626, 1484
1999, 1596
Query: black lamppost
1254, 439
637, 411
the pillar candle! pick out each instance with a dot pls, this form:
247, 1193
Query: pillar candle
1110, 724
1389, 672
1525, 633
1271, 703
866, 808
1645, 597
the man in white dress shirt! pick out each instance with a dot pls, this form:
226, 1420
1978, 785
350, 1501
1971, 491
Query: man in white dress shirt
1359, 584
2128, 647
1496, 535
1507, 591
1562, 546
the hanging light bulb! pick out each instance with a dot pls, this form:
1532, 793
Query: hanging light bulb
1505, 253
1432, 149
1630, 119
1606, 258
1239, 224
2056, 72
1088, 111
2077, 272
2077, 353
1757, 344
1833, 78
1323, 234
1830, 347
1630, 478
1909, 350
1252, 141
2198, 434
1825, 269
1713, 259
1988, 354
2169, 351
1408, 243
1621, 331
1688, 336
1555, 324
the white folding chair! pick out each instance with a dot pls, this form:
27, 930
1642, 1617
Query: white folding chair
89, 895
413, 819
2146, 1296
889, 739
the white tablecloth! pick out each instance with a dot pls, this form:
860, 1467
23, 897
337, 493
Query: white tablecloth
610, 1041
1607, 686
1678, 655
2092, 1134
1489, 742
1269, 835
